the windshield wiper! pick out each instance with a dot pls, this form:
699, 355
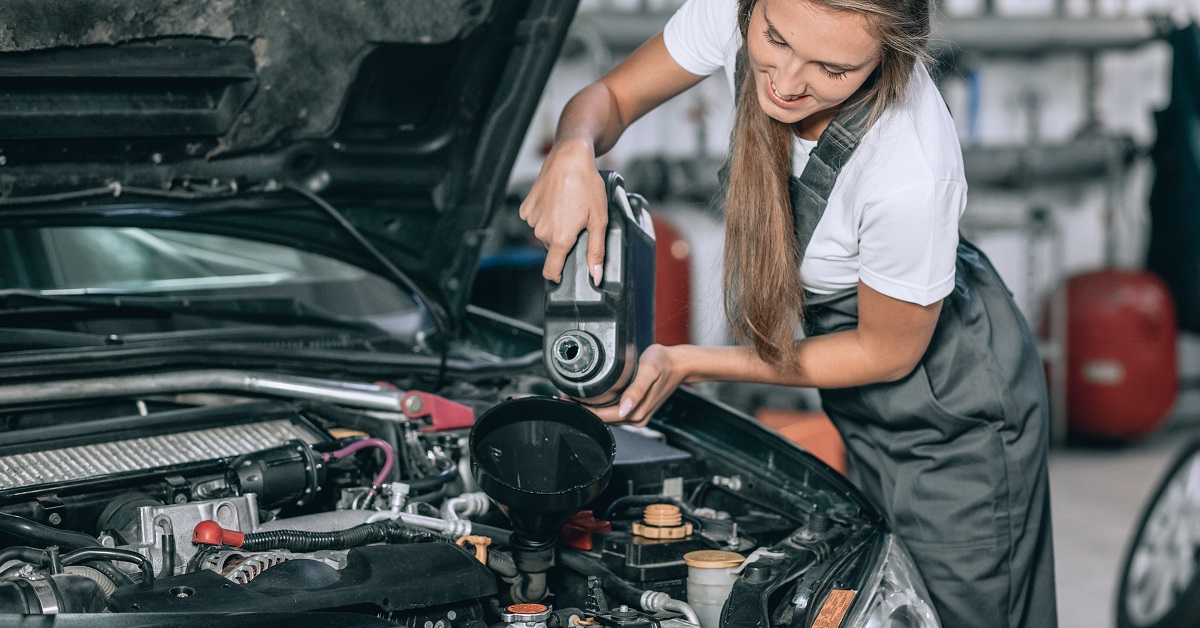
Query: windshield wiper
270, 310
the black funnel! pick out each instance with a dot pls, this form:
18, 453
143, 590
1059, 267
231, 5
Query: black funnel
542, 459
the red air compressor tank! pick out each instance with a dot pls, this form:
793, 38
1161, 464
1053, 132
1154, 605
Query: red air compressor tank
672, 285
1121, 353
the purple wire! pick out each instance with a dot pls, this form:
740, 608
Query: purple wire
389, 457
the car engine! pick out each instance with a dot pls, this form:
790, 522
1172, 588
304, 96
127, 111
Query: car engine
234, 492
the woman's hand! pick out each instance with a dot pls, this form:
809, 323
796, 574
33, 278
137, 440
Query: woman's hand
658, 375
568, 197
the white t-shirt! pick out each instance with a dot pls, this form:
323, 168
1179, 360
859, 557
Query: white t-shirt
892, 218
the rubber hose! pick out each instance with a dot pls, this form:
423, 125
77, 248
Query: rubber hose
116, 575
107, 586
125, 556
44, 534
168, 556
499, 535
581, 564
24, 554
429, 498
53, 560
379, 428
437, 480
502, 563
305, 541
530, 588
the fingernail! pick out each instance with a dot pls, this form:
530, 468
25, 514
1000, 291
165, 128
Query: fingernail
597, 273
626, 406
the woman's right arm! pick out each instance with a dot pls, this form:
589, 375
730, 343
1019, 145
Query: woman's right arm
568, 195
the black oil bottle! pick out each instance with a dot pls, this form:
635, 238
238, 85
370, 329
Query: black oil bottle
595, 334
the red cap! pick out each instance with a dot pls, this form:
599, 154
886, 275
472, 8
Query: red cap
210, 532
578, 530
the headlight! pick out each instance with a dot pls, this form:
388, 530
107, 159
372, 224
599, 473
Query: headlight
894, 595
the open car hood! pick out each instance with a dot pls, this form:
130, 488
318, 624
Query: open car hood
405, 114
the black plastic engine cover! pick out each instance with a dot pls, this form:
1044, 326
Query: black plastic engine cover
391, 577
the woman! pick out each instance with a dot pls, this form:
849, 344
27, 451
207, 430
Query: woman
844, 194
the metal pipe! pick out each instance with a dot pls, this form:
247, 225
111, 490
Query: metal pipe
343, 519
625, 31
465, 505
1032, 35
656, 601
369, 396
1084, 158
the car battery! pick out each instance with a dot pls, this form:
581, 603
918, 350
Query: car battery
647, 467
650, 564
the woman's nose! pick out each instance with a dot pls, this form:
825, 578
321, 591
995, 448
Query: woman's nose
789, 86
789, 80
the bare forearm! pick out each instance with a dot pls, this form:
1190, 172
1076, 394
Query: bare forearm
591, 117
835, 360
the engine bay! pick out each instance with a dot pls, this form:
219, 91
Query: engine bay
236, 492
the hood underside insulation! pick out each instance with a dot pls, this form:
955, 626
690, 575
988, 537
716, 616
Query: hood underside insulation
306, 53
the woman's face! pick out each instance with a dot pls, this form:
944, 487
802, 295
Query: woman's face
807, 59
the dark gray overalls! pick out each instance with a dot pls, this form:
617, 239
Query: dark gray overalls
954, 453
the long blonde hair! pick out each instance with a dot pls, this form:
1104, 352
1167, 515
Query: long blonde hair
764, 298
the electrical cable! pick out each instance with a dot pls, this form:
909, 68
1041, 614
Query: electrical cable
304, 541
755, 501
201, 555
114, 189
440, 318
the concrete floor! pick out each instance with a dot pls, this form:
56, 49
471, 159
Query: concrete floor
1097, 497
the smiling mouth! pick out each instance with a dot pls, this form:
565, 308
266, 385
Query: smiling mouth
775, 91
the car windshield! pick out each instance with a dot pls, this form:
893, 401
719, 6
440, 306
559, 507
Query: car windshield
161, 262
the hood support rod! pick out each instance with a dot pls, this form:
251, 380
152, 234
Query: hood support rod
366, 396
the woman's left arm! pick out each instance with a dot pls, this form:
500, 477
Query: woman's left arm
890, 339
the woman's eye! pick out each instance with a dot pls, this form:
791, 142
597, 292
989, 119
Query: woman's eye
771, 40
833, 75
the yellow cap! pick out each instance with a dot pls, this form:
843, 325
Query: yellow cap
712, 559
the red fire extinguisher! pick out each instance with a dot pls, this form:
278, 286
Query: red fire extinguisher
672, 285
1122, 372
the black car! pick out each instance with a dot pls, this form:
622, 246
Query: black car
239, 371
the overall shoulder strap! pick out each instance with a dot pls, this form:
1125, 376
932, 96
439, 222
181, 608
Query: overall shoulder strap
810, 192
